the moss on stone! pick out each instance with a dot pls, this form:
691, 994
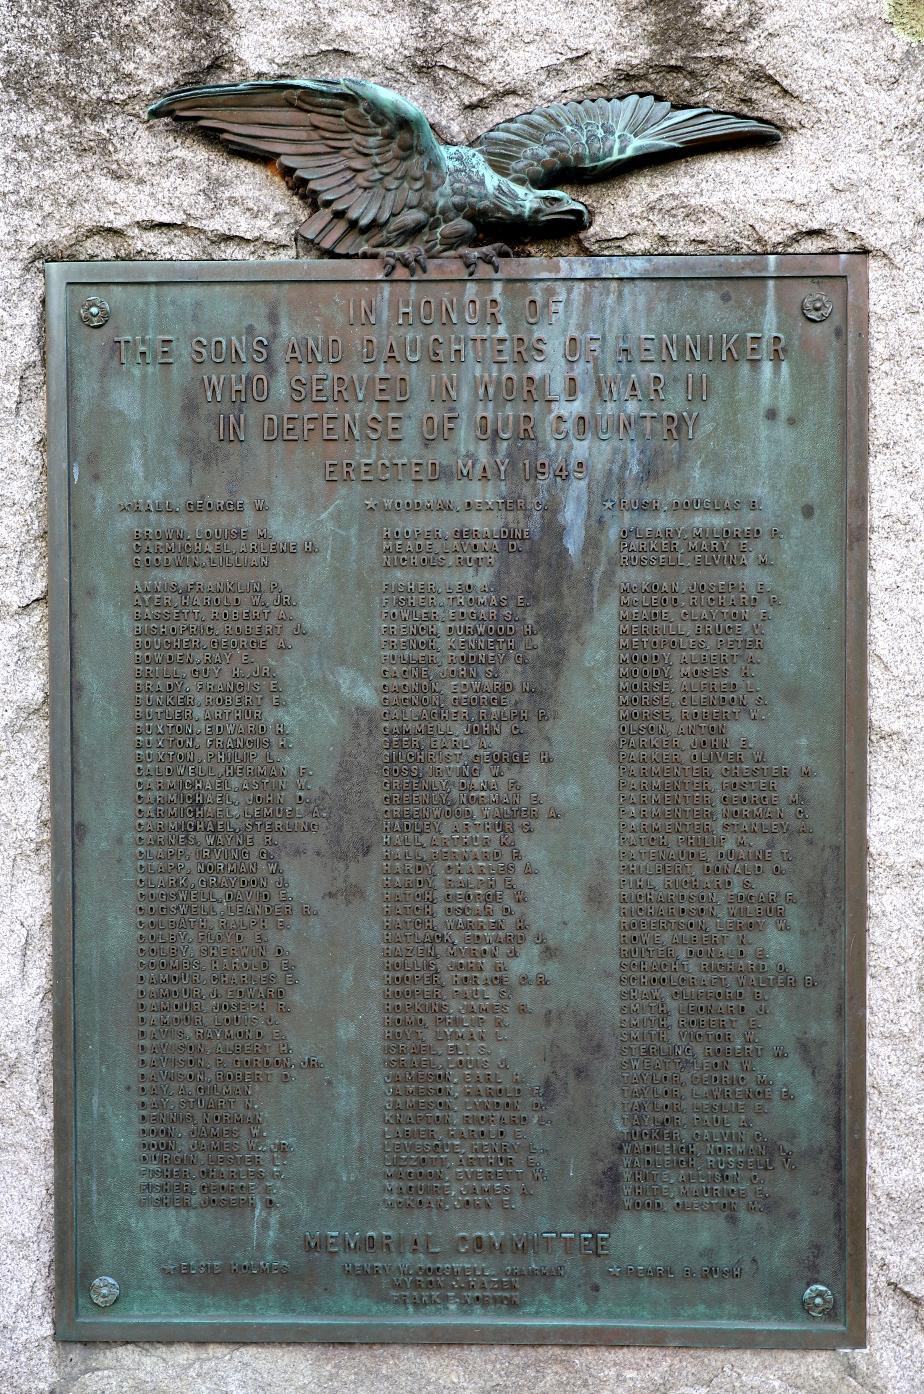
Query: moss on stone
908, 17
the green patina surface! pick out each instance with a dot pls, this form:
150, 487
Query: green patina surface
716, 1242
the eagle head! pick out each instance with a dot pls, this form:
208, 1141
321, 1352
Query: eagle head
550, 212
557, 213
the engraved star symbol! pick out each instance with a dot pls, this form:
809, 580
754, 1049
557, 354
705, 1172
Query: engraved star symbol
371, 503
609, 503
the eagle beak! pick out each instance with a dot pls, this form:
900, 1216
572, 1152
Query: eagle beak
570, 214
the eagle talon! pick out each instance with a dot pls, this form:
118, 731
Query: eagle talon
412, 258
488, 254
409, 257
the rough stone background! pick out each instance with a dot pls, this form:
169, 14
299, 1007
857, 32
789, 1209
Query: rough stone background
87, 177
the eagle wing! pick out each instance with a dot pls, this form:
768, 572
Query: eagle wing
595, 138
367, 155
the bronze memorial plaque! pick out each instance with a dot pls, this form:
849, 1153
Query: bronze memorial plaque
458, 705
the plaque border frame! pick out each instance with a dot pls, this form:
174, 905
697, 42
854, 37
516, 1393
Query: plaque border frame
807, 1334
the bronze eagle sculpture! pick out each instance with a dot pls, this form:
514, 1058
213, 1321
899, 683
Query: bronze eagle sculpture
385, 186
